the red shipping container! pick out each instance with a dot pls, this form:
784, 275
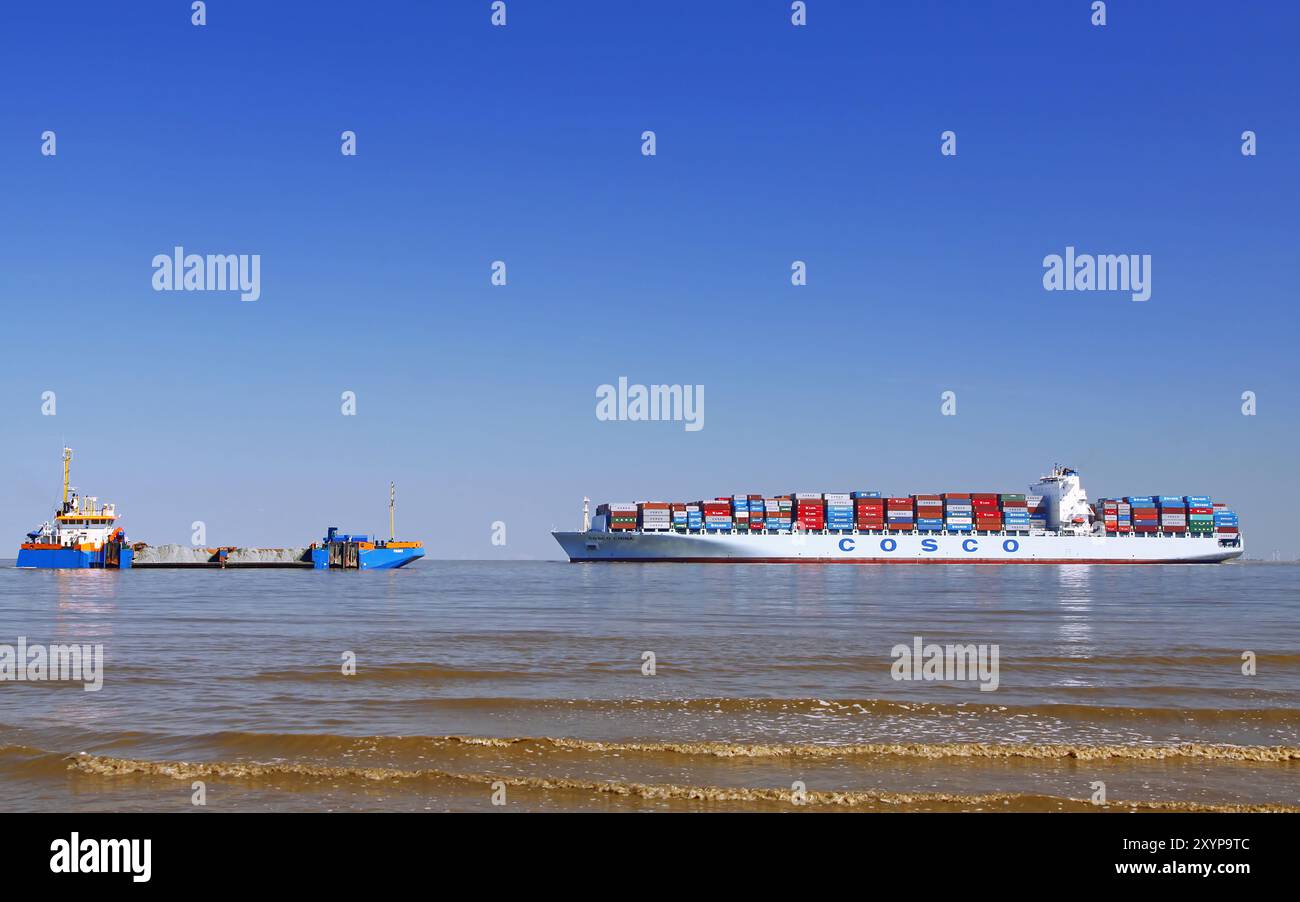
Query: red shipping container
956, 496
1230, 530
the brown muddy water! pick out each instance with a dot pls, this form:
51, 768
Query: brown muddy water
773, 689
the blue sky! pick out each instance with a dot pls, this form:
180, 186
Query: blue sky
522, 144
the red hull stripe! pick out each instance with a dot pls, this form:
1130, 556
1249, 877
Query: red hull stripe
874, 560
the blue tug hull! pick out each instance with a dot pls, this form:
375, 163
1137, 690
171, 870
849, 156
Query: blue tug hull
71, 559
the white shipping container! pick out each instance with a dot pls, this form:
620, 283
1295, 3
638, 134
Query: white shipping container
838, 498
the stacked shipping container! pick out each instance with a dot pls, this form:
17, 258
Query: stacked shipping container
1146, 516
694, 517
740, 511
1173, 513
779, 513
1037, 507
1194, 515
900, 514
988, 516
869, 510
717, 514
621, 516
929, 513
1015, 512
839, 512
1225, 521
1116, 515
656, 516
958, 513
809, 511
1200, 514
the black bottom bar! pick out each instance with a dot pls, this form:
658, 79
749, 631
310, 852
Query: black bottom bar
663, 853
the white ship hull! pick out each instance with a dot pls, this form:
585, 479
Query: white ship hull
897, 548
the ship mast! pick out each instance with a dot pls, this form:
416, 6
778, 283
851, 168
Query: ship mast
586, 515
392, 504
67, 474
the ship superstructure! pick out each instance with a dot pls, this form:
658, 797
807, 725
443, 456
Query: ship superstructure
83, 533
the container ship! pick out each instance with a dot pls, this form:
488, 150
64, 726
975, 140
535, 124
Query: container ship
84, 535
1052, 523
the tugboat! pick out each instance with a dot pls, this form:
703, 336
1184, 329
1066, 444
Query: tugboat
83, 534
349, 552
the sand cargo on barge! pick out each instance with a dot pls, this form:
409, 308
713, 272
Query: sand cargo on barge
84, 535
